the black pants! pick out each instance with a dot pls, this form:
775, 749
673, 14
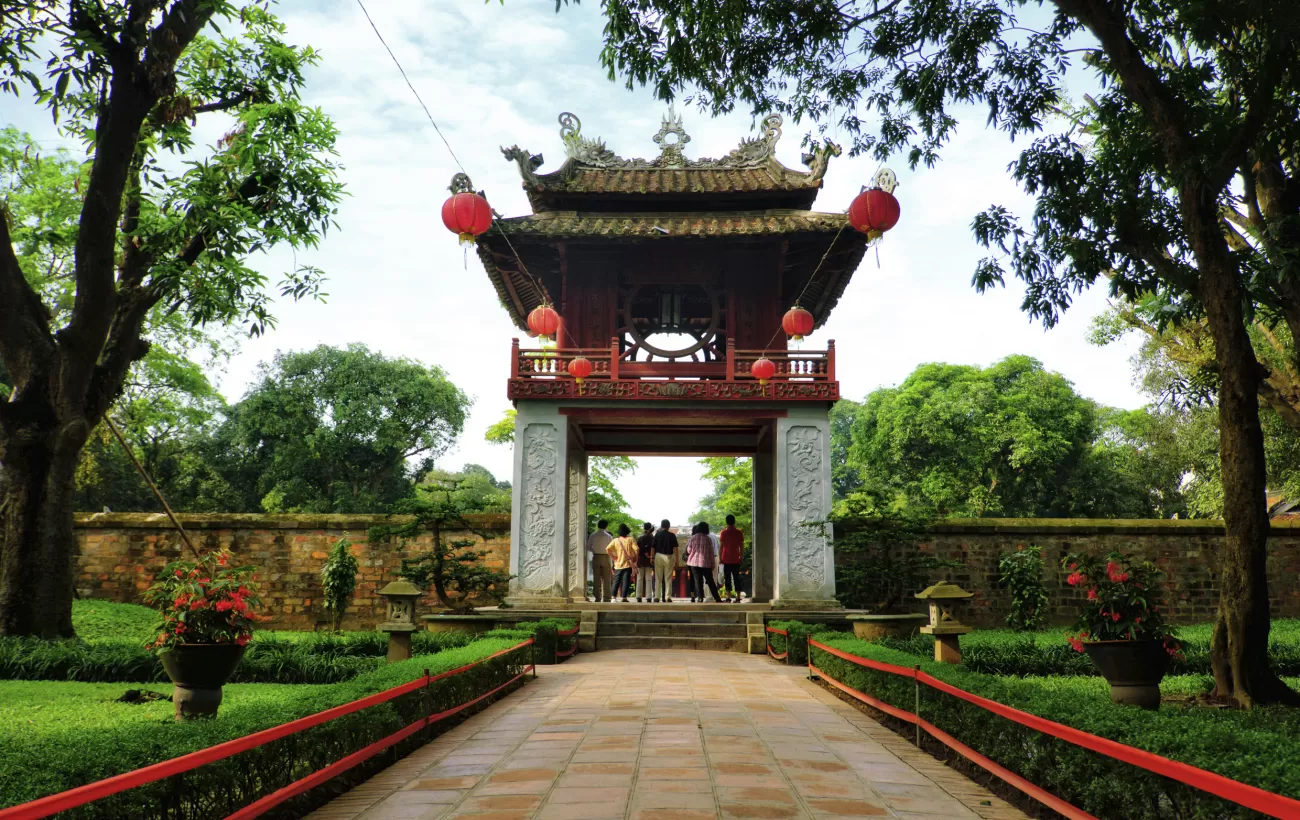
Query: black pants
622, 581
731, 578
699, 576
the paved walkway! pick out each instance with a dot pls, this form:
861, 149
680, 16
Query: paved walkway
681, 736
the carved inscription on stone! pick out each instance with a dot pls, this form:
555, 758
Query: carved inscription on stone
541, 512
577, 526
807, 503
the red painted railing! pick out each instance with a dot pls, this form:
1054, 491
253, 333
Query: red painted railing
610, 363
573, 650
71, 799
784, 655
1252, 797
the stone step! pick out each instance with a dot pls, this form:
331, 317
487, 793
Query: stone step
649, 642
666, 616
670, 630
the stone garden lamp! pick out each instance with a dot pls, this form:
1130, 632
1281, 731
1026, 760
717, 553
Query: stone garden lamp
943, 597
401, 596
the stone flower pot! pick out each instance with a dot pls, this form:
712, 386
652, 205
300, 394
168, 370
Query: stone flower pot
199, 670
1133, 669
897, 624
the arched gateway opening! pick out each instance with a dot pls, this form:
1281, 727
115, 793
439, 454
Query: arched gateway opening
671, 276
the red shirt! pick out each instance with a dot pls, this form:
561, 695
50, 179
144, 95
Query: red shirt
733, 545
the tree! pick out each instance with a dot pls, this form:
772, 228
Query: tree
1009, 440
338, 580
332, 430
451, 566
845, 477
1179, 177
158, 223
604, 499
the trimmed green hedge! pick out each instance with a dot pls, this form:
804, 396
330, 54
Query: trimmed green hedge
1260, 746
55, 736
1006, 652
795, 641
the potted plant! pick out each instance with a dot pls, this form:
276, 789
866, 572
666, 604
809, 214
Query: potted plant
1122, 627
208, 617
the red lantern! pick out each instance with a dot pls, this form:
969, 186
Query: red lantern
579, 369
873, 212
763, 369
797, 323
466, 214
543, 321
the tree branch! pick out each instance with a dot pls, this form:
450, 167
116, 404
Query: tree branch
25, 339
249, 93
1259, 107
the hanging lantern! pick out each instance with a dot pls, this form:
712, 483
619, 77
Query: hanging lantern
543, 321
797, 323
876, 210
579, 369
465, 213
763, 369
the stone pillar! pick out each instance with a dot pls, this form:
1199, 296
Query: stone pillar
805, 559
576, 548
763, 538
539, 523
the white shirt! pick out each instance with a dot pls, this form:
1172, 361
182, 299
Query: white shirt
597, 541
717, 547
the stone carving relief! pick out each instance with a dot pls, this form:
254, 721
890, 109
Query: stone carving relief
540, 511
807, 503
577, 485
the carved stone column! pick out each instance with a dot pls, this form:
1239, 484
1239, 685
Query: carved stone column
539, 522
763, 538
805, 558
576, 548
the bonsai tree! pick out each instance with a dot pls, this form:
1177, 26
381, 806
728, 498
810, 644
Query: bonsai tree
879, 567
338, 579
452, 565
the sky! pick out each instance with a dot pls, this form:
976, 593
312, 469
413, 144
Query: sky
497, 75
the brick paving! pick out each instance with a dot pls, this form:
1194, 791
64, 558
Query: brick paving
631, 734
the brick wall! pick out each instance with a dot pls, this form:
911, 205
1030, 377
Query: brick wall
121, 551
1185, 550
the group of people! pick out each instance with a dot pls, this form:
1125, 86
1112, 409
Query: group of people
650, 560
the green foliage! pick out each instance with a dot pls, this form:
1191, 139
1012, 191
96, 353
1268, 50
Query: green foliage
334, 430
1021, 574
1126, 599
795, 641
451, 566
1253, 746
879, 566
1009, 440
732, 493
276, 657
338, 580
1007, 652
97, 620
57, 736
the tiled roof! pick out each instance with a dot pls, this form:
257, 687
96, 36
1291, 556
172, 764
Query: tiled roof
652, 226
676, 180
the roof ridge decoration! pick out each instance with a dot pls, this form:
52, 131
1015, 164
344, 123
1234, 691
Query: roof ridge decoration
586, 152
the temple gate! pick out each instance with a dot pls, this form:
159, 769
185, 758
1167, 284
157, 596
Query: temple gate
670, 277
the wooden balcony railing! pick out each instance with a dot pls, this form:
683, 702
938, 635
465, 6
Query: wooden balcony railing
607, 363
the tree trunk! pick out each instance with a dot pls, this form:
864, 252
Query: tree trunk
37, 545
1239, 645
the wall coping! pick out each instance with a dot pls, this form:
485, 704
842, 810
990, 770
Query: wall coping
263, 521
1097, 526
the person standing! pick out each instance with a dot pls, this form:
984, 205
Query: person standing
622, 552
665, 547
733, 549
602, 569
699, 557
717, 563
645, 563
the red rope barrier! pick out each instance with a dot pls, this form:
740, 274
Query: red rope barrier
80, 796
773, 655
571, 650
336, 768
1243, 794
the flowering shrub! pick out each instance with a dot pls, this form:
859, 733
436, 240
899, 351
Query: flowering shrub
205, 601
1125, 600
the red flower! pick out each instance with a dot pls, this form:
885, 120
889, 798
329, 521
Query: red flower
199, 603
1137, 620
225, 606
222, 560
1075, 642
1092, 595
242, 640
1074, 566
180, 629
1115, 616
1074, 579
181, 600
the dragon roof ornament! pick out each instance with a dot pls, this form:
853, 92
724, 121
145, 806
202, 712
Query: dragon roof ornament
592, 153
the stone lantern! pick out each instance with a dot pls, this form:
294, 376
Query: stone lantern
944, 626
401, 596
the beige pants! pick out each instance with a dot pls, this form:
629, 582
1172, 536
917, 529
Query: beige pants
664, 576
602, 577
643, 583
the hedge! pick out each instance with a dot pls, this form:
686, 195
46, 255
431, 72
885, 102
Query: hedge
795, 641
1260, 746
61, 736
1004, 652
272, 657
545, 633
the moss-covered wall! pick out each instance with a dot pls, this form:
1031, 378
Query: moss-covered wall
1185, 550
120, 552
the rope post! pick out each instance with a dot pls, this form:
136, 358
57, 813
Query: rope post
916, 681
